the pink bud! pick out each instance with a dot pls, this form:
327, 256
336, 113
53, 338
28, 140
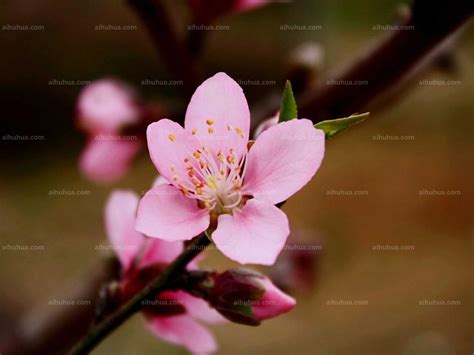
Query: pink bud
107, 105
266, 124
247, 297
107, 160
207, 11
273, 303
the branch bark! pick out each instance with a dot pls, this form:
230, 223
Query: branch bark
173, 50
387, 63
97, 333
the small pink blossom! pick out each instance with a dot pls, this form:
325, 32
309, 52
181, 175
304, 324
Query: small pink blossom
176, 315
216, 182
207, 11
104, 108
247, 297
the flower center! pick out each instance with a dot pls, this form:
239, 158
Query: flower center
214, 179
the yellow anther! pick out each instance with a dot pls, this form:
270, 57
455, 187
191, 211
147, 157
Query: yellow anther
210, 130
172, 137
210, 122
196, 154
194, 131
239, 132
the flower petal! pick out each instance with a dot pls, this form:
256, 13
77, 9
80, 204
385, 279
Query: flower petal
108, 160
218, 114
283, 159
198, 308
120, 211
106, 105
183, 330
254, 234
160, 251
165, 213
170, 146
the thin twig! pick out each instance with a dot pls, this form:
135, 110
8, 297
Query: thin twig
173, 50
97, 333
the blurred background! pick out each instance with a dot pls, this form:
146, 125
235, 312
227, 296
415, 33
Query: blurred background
389, 212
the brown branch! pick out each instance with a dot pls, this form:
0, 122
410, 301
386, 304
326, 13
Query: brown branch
387, 63
173, 50
54, 329
98, 332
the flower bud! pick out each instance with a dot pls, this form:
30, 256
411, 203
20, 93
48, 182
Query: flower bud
106, 105
247, 297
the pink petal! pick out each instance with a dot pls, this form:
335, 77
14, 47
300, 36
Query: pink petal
219, 114
165, 213
266, 124
105, 106
199, 308
160, 251
170, 145
160, 180
254, 234
183, 330
273, 303
120, 211
283, 159
107, 160
246, 5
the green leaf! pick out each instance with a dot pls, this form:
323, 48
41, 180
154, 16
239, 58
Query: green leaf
288, 109
333, 127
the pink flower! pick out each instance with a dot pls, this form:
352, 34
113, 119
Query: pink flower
247, 297
174, 317
104, 108
207, 11
216, 182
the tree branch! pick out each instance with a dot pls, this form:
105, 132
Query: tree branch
387, 63
97, 333
174, 52
40, 332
